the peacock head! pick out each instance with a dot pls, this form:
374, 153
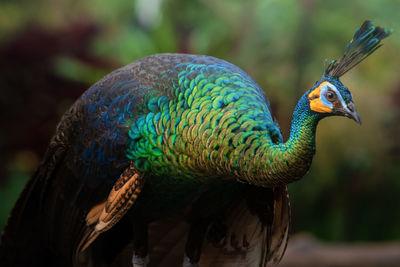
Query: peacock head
329, 96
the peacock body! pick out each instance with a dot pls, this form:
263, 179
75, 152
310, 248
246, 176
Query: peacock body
174, 134
185, 122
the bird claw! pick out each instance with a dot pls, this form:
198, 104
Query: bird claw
187, 263
139, 261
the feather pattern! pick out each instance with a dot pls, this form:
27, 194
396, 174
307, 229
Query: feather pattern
366, 40
171, 135
256, 230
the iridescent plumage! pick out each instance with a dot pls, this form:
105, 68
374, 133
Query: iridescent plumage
172, 134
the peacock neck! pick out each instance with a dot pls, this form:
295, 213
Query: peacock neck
302, 130
286, 162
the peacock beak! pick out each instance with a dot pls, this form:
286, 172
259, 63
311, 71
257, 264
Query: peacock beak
351, 112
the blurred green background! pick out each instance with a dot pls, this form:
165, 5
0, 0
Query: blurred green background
52, 51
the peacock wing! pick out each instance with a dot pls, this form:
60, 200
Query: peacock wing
254, 232
84, 165
105, 215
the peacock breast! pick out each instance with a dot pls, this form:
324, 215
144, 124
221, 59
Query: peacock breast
214, 110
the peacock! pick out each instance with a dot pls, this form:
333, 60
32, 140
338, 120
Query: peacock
174, 147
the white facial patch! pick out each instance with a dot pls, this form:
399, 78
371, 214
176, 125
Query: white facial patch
324, 89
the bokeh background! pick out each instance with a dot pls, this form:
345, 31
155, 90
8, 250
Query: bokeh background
51, 51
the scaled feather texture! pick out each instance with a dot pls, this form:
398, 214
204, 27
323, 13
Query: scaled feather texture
173, 159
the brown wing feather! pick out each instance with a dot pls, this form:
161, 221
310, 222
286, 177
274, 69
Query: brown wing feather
281, 224
257, 230
254, 233
105, 215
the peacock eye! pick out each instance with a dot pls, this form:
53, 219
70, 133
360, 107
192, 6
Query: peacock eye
331, 96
